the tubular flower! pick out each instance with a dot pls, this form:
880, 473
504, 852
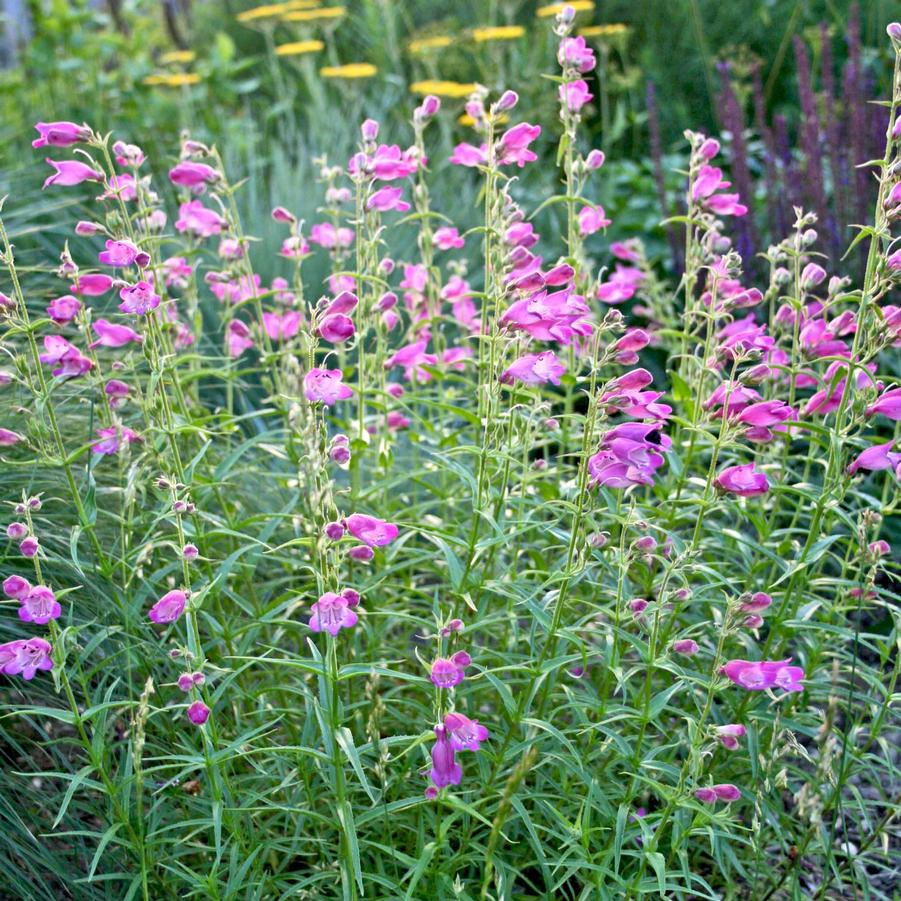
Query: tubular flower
25, 657
168, 608
370, 530
445, 769
742, 480
333, 612
763, 674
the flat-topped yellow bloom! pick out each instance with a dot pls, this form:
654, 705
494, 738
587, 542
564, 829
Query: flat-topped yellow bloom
178, 56
270, 11
351, 70
173, 80
442, 88
603, 31
500, 33
421, 45
300, 4
312, 15
298, 48
580, 6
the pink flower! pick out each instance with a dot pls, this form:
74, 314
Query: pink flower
412, 358
708, 180
71, 172
92, 285
112, 335
371, 531
345, 302
888, 404
196, 219
326, 235
295, 247
177, 270
238, 338
386, 199
627, 455
576, 54
138, 298
592, 219
445, 769
448, 672
575, 95
123, 187
188, 174
112, 440
812, 275
39, 606
757, 603
25, 656
168, 608
621, 285
72, 362
198, 713
468, 155
63, 309
686, 646
282, 326
742, 480
766, 413
16, 586
122, 254
448, 238
60, 134
764, 674
325, 385
535, 369
559, 316
128, 154
730, 734
722, 792
726, 205
361, 552
875, 458
513, 146
465, 734
8, 438
333, 612
336, 328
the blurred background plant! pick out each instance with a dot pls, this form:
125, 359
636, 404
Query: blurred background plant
265, 83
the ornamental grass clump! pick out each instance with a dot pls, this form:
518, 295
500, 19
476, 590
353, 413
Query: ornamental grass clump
465, 557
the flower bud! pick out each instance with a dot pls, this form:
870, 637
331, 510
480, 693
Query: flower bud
361, 552
29, 546
594, 160
369, 130
190, 552
507, 101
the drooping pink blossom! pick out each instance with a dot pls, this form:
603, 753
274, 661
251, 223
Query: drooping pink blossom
743, 480
445, 769
387, 199
63, 310
468, 155
876, 458
534, 369
513, 146
574, 95
60, 134
628, 456
198, 220
112, 439
282, 326
92, 284
592, 219
764, 674
189, 174
71, 172
169, 607
730, 734
238, 338
122, 254
372, 531
887, 404
447, 238
110, 334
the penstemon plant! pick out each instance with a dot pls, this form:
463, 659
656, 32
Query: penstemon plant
490, 565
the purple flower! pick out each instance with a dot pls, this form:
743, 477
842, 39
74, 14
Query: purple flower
448, 238
63, 309
627, 455
742, 480
445, 769
576, 54
723, 792
8, 438
575, 95
325, 385
875, 458
333, 612
25, 656
592, 219
513, 146
370, 530
687, 646
60, 134
386, 199
336, 328
448, 672
113, 439
16, 587
196, 219
29, 547
39, 606
168, 608
122, 254
730, 734
198, 713
465, 734
138, 298
888, 404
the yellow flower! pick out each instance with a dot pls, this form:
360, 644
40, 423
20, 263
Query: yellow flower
501, 33
178, 56
174, 80
435, 43
262, 12
442, 88
298, 48
300, 4
468, 121
350, 70
603, 31
580, 6
310, 15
